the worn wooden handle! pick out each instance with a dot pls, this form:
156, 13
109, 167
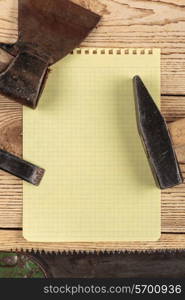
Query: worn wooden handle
177, 132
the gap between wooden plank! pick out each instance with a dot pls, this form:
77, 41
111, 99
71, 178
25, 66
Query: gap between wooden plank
11, 228
173, 95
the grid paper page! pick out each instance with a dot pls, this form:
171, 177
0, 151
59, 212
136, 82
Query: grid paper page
98, 185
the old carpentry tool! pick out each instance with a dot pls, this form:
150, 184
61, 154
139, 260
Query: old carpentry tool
92, 264
156, 138
48, 31
20, 168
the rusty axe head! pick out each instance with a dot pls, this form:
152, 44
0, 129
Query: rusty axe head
48, 31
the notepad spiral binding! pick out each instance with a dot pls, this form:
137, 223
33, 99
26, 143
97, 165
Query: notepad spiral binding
112, 51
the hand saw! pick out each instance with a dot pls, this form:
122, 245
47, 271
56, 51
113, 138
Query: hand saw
47, 31
153, 264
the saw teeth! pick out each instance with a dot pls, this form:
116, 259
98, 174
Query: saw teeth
98, 252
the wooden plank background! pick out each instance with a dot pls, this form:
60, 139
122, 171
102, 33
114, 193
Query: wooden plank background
125, 24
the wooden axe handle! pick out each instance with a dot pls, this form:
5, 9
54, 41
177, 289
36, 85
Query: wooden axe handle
177, 132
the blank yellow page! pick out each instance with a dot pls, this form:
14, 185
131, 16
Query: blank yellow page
97, 185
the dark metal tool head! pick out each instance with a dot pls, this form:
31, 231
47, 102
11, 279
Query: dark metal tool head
156, 138
48, 31
20, 168
51, 29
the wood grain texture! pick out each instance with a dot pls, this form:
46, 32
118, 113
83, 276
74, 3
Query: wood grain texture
147, 23
127, 24
10, 140
8, 21
13, 240
177, 132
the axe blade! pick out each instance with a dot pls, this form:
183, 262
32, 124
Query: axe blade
156, 139
51, 29
48, 31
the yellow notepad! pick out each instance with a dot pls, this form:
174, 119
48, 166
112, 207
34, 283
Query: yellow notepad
97, 185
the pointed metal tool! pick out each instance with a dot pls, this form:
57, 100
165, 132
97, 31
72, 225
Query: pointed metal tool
156, 138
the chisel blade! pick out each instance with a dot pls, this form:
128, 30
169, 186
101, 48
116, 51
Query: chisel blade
20, 168
156, 139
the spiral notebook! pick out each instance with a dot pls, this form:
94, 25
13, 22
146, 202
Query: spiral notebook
97, 185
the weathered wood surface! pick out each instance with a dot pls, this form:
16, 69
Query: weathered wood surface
128, 24
13, 240
144, 23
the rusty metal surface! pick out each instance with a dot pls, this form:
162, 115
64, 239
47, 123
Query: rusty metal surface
123, 265
48, 31
160, 264
51, 29
25, 78
19, 265
20, 168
